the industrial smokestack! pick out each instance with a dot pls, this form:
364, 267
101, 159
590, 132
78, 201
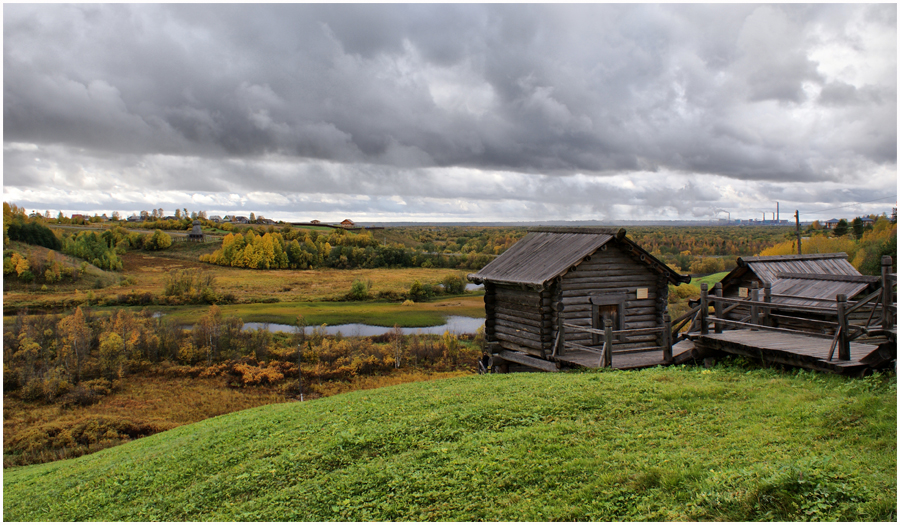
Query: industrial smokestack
777, 211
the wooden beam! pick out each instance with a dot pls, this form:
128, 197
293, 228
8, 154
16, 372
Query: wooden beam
527, 360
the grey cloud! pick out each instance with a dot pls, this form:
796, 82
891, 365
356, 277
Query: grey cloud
533, 89
839, 94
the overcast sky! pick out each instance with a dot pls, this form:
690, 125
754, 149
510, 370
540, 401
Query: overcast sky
452, 112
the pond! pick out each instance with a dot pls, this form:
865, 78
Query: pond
455, 324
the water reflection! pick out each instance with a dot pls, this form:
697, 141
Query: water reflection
456, 324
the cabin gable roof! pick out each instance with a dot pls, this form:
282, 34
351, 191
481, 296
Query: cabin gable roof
803, 277
546, 253
767, 268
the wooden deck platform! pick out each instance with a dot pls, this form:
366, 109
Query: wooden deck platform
770, 347
619, 362
790, 349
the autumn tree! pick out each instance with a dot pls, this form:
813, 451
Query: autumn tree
111, 355
208, 331
76, 338
160, 240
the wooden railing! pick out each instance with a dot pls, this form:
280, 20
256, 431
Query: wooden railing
761, 313
612, 338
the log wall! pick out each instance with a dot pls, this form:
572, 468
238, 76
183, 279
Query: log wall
518, 318
611, 272
525, 319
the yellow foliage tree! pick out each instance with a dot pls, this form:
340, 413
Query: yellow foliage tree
76, 339
111, 354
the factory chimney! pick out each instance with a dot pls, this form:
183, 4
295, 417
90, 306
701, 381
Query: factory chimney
777, 212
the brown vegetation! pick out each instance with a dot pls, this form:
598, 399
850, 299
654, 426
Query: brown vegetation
78, 383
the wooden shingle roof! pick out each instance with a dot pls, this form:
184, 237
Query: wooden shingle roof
767, 268
548, 252
809, 279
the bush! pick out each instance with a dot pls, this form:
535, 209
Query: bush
87, 393
55, 384
683, 291
194, 286
160, 240
708, 265
359, 291
32, 233
10, 379
84, 432
254, 375
454, 284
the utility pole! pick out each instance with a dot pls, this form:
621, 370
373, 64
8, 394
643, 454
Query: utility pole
797, 215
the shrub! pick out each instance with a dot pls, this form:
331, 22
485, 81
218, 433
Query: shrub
87, 393
454, 284
10, 379
683, 291
32, 233
83, 432
359, 291
55, 384
254, 375
708, 265
160, 240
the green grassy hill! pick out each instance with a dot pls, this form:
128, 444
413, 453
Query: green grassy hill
728, 443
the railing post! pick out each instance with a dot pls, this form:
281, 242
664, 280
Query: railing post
704, 308
887, 294
667, 339
767, 298
844, 327
608, 338
718, 307
561, 330
754, 308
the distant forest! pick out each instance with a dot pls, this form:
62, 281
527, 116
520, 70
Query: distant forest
688, 249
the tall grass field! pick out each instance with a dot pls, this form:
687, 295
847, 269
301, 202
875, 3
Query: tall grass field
727, 443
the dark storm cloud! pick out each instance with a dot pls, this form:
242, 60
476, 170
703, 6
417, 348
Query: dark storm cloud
372, 97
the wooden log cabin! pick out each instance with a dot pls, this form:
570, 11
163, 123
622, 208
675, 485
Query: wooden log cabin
548, 297
802, 288
814, 311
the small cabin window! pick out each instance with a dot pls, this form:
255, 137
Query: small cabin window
606, 307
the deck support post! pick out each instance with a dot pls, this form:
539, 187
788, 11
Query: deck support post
844, 327
887, 295
667, 339
767, 298
704, 308
560, 329
754, 309
719, 307
608, 341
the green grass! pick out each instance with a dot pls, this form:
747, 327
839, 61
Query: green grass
710, 280
681, 444
377, 313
